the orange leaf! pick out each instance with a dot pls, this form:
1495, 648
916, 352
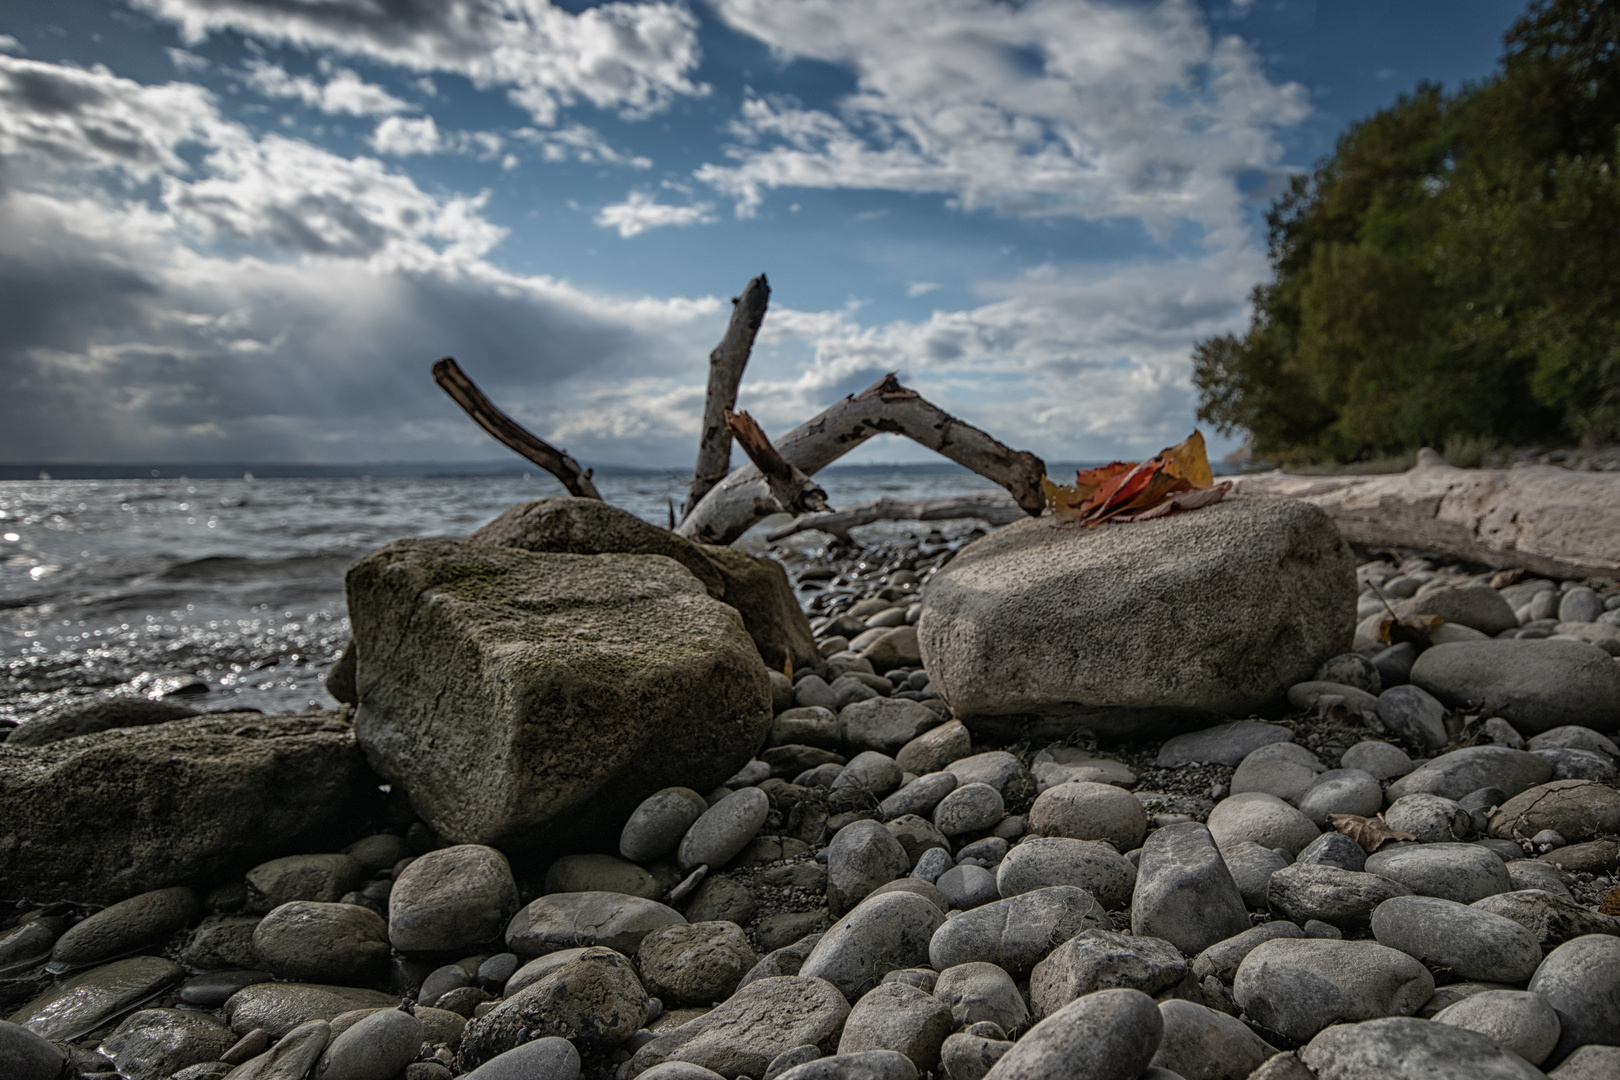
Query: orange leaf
1189, 461
1178, 503
1370, 832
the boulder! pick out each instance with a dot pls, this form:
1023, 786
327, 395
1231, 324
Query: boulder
105, 816
85, 718
746, 1032
1575, 809
1298, 986
1401, 1048
1536, 685
556, 691
1184, 892
1027, 620
1109, 1035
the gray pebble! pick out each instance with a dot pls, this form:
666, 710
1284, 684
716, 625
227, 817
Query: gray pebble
1460, 872
724, 830
968, 809
968, 887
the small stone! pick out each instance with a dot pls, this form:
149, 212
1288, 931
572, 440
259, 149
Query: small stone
1109, 1035
1574, 737
1570, 764
1184, 892
1251, 867
1433, 819
656, 826
862, 856
1581, 981
897, 1017
1590, 1062
454, 898
1478, 607
1403, 1047
1415, 715
1378, 759
338, 944
744, 1034
600, 873
1474, 944
724, 900
321, 878
724, 829
1344, 898
931, 864
1090, 811
1581, 605
694, 963
1016, 933
378, 1047
1333, 849
1460, 872
549, 1058
980, 992
1513, 1019
1227, 744
212, 989
1101, 960
30, 1056
812, 690
967, 887
870, 771
154, 1044
788, 1059
970, 808
574, 920
990, 849
1056, 860
294, 1055
1299, 987
1342, 791
1394, 664
1264, 819
918, 797
1200, 1042
593, 999
997, 768
883, 933
1286, 770
885, 724
1351, 669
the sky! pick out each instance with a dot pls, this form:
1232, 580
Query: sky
243, 230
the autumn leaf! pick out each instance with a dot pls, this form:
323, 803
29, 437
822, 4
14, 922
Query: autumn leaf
1189, 461
1417, 629
1371, 833
1186, 500
1611, 902
1177, 479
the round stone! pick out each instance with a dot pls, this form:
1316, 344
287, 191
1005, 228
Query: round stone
337, 944
656, 826
1089, 811
1473, 943
1460, 872
968, 809
694, 963
1513, 1019
454, 898
1380, 760
724, 830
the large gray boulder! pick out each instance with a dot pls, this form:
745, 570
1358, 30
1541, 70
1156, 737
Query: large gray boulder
529, 700
102, 817
1121, 627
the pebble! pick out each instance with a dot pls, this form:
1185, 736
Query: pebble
1016, 933
1535, 685
1378, 759
1308, 695
883, 933
592, 1000
970, 808
600, 873
455, 898
1102, 960
1463, 771
812, 690
1201, 1042
1184, 892
1221, 959
885, 724
694, 963
1342, 898
549, 1058
1251, 867
29, 1056
1474, 944
1414, 715
280, 1007
1405, 1047
1333, 849
1513, 1019
1433, 819
1298, 987
294, 1055
980, 992
378, 1047
862, 856
1575, 809
338, 944
997, 768
1394, 664
1460, 872
809, 725
140, 921
900, 1018
1058, 860
865, 1065
870, 771
1551, 919
721, 899
967, 887
322, 878
656, 826
1581, 981
89, 999
1089, 811
723, 830
378, 852
745, 1033
1286, 770
1351, 669
1227, 744
1342, 791
935, 749
990, 849
572, 920
154, 1044
1262, 818
1478, 607
1580, 604
918, 797
931, 864
1109, 1035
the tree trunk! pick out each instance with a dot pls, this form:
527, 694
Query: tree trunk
726, 365
996, 507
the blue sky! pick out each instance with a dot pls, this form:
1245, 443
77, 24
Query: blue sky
242, 229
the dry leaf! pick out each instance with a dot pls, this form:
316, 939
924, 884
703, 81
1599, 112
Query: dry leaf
1136, 491
1611, 902
1414, 628
1186, 500
1371, 833
1503, 578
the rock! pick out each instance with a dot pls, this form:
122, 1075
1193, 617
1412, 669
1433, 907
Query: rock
976, 992
935, 748
378, 852
1309, 695
1461, 772
601, 873
970, 808
1003, 623
103, 817
1401, 1048
86, 718
1202, 1044
1521, 1022
883, 933
1184, 893
756, 587
1581, 765
1264, 819
1286, 770
1394, 664
584, 683
722, 900
1433, 819
378, 1047
1590, 1062
1299, 987
280, 1007
1581, 605
81, 1004
126, 926
1057, 860
862, 856
572, 920
1225, 744
812, 692
916, 887
337, 944
293, 1057
1088, 811
1460, 872
1342, 791
694, 963
454, 898
1550, 919
783, 961
594, 1000
1536, 685
28, 1055
997, 768
865, 1065
1380, 760
885, 724
1581, 981
744, 1034
724, 829
1534, 874
916, 835
897, 648
1109, 1035
971, 1057
1478, 607
1592, 857
967, 886
900, 1018
1103, 960
808, 725
656, 826
918, 797
1333, 849
324, 878
1576, 809
154, 1044
221, 941
1574, 737
550, 1058
1474, 944
1018, 932
870, 771
1415, 716
1351, 669
441, 981
1221, 959
1342, 898
1251, 867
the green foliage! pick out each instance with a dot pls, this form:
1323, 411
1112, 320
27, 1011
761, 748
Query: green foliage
1451, 274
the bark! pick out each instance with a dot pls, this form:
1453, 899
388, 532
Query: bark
510, 434
1542, 518
794, 492
995, 507
744, 496
726, 365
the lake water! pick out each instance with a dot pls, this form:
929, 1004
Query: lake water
131, 585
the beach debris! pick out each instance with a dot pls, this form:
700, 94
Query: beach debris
1175, 480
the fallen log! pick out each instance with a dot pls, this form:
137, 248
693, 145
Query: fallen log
744, 497
995, 507
1542, 518
726, 364
794, 492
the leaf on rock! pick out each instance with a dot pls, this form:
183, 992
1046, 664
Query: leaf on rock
1371, 833
1177, 479
1611, 902
1189, 461
1186, 500
1418, 629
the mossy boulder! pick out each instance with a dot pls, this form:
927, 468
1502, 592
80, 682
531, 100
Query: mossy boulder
531, 700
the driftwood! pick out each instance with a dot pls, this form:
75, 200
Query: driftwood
794, 492
995, 507
510, 434
1542, 518
726, 365
744, 497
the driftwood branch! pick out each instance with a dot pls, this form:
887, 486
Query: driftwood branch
995, 507
1542, 518
510, 434
794, 492
726, 365
744, 497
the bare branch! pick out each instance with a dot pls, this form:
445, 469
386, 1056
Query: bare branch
744, 497
995, 507
726, 365
794, 492
509, 433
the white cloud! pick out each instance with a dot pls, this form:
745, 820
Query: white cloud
10, 44
187, 61
343, 92
400, 136
640, 212
578, 142
633, 57
920, 288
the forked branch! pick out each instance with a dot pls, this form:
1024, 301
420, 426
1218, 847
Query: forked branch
510, 434
995, 507
726, 365
794, 492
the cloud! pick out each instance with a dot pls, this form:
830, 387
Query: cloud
10, 44
633, 57
186, 61
343, 92
640, 212
400, 136
578, 143
920, 288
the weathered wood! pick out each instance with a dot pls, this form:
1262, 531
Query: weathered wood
1542, 518
995, 507
509, 433
726, 365
743, 498
795, 492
